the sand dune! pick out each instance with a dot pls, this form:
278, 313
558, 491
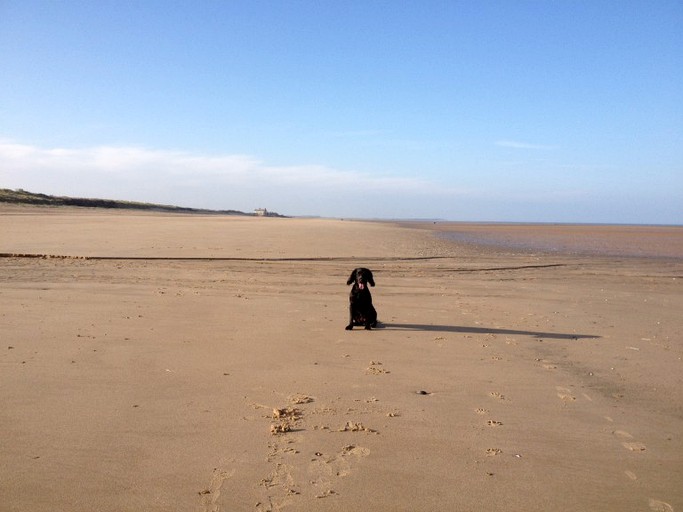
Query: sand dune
169, 362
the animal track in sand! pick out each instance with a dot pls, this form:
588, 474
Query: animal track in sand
352, 426
288, 416
481, 411
291, 476
298, 399
280, 428
499, 396
325, 469
492, 452
287, 412
375, 368
439, 341
494, 423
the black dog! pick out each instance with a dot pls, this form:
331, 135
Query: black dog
361, 310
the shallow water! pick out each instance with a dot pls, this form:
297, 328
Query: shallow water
605, 240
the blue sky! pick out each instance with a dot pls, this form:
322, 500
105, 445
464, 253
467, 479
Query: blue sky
551, 111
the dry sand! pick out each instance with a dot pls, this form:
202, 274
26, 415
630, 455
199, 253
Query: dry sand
205, 367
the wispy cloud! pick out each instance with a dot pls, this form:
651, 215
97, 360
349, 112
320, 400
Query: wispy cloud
139, 163
193, 179
359, 133
522, 145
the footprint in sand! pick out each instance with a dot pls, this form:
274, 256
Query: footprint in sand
279, 487
660, 506
355, 451
499, 396
211, 494
565, 394
549, 366
626, 442
634, 447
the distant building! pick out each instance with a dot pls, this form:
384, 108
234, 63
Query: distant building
261, 212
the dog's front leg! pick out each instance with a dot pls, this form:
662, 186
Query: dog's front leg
350, 326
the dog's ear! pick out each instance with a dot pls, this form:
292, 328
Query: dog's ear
369, 278
352, 278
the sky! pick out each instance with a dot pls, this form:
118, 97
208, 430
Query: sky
511, 110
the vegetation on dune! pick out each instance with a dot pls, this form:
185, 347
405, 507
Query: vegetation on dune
20, 196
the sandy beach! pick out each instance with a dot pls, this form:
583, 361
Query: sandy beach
160, 362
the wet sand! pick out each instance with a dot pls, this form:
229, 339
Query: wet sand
172, 362
575, 239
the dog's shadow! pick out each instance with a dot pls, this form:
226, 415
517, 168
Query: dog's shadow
484, 330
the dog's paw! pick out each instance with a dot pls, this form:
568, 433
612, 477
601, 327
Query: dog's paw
368, 328
349, 327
